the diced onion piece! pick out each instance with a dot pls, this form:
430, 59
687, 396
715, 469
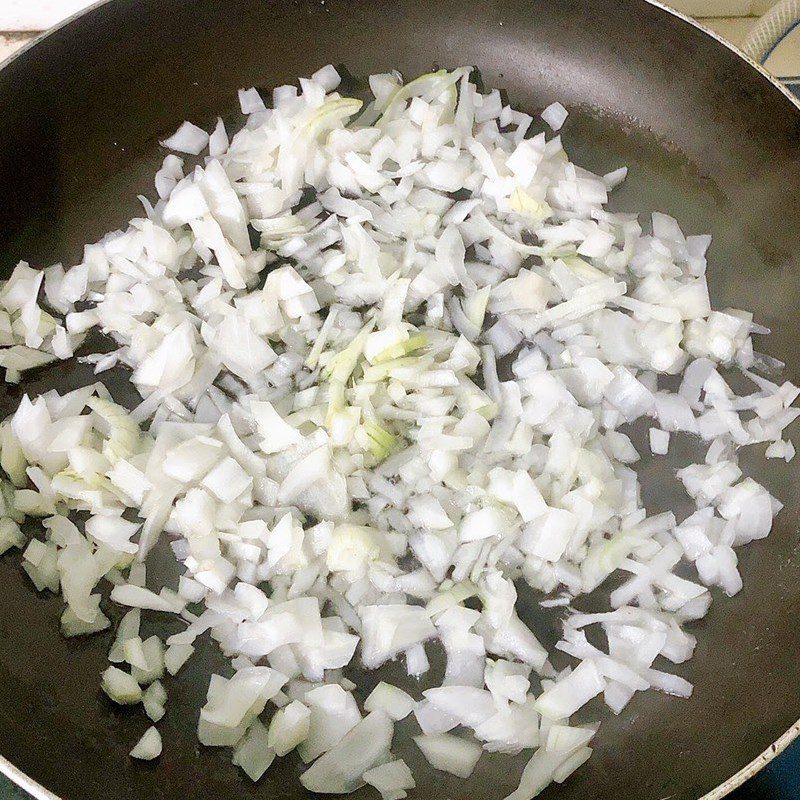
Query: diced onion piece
391, 779
341, 769
148, 747
187, 139
449, 753
555, 115
253, 753
121, 687
289, 727
394, 702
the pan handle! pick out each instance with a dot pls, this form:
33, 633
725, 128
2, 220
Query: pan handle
771, 29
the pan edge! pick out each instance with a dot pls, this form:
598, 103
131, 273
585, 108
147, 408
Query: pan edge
39, 792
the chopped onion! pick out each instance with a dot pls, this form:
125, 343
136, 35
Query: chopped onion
121, 687
253, 753
555, 115
394, 702
372, 417
341, 769
391, 779
148, 747
449, 753
187, 139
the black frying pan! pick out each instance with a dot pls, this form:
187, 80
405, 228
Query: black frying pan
708, 138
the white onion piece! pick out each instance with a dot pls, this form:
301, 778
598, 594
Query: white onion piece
253, 753
187, 139
154, 699
449, 753
341, 769
148, 747
570, 693
659, 442
175, 656
555, 115
241, 697
289, 727
394, 702
391, 779
334, 713
121, 687
140, 597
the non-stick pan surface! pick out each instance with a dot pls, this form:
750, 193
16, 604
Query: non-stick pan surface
708, 138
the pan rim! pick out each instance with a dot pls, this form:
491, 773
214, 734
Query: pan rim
23, 781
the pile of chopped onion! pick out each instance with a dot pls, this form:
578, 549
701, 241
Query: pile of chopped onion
387, 354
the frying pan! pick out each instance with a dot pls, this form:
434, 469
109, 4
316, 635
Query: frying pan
709, 139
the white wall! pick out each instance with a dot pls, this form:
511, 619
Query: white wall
721, 8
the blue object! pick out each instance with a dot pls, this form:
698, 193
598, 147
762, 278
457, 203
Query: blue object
772, 49
8, 791
793, 85
779, 780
